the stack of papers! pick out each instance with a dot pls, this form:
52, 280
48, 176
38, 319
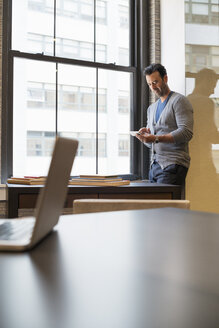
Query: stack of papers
86, 180
99, 180
27, 180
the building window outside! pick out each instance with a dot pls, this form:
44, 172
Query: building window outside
70, 97
124, 16
201, 56
40, 143
40, 95
124, 56
87, 143
80, 9
41, 5
123, 102
67, 48
123, 148
202, 11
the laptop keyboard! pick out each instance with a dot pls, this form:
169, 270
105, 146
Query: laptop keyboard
16, 230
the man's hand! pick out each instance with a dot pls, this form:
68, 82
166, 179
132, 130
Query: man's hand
144, 130
144, 136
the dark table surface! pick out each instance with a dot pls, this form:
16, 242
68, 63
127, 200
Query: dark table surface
129, 269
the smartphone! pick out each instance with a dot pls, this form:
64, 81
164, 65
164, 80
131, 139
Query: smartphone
133, 133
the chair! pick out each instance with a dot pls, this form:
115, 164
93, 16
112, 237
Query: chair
107, 205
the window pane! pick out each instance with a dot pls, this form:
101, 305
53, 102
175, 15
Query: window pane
77, 113
101, 53
101, 11
115, 123
33, 116
200, 9
40, 143
27, 33
124, 56
123, 101
215, 50
215, 9
203, 1
114, 34
123, 145
198, 57
75, 29
186, 8
102, 100
68, 7
215, 61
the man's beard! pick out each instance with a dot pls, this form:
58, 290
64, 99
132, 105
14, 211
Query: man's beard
162, 91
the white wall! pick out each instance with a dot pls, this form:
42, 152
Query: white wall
173, 42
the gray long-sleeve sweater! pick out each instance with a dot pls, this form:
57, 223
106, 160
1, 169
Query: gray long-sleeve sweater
177, 119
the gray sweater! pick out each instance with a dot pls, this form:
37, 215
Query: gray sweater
177, 119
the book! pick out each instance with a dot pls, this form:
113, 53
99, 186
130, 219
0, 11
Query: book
95, 180
99, 183
98, 176
27, 180
31, 177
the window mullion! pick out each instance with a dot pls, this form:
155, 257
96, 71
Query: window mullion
97, 159
94, 30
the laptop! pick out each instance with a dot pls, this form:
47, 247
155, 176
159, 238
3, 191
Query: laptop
24, 233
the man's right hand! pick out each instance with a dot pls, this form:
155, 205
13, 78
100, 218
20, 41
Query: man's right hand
144, 130
144, 135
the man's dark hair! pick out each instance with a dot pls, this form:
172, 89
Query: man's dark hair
155, 68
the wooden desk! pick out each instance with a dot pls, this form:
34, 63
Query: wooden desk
22, 196
130, 269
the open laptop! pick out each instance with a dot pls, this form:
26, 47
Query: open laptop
23, 233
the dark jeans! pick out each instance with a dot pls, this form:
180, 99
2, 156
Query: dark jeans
172, 174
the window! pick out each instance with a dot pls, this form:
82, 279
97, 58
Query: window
80, 9
124, 56
41, 5
123, 102
87, 145
40, 143
67, 48
124, 16
40, 95
71, 70
202, 11
123, 145
201, 56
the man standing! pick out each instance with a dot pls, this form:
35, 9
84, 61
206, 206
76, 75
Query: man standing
169, 129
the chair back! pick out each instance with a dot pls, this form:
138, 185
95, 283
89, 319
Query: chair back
107, 205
